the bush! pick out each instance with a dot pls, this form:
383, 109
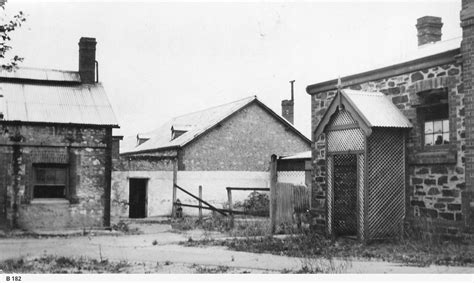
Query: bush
256, 203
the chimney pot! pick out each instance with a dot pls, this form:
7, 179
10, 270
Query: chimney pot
87, 59
429, 29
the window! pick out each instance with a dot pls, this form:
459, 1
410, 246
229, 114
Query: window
436, 126
434, 118
50, 181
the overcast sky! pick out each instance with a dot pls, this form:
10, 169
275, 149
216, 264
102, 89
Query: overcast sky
159, 60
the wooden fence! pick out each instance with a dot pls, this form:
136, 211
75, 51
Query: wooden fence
290, 200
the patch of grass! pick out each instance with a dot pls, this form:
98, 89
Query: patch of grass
251, 226
123, 227
55, 264
210, 270
243, 227
312, 245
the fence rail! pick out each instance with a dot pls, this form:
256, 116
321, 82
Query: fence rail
209, 206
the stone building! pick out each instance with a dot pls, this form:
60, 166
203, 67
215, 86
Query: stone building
55, 147
434, 91
224, 146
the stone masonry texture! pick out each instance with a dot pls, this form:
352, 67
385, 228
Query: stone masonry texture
244, 142
435, 179
467, 53
82, 150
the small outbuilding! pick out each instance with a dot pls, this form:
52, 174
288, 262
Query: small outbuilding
365, 137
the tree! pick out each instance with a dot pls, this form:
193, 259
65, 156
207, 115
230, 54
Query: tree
8, 25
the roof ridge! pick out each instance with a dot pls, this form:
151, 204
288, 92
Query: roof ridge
213, 107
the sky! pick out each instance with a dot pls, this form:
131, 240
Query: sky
158, 60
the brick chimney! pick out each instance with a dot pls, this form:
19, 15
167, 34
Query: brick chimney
467, 55
87, 59
429, 29
288, 106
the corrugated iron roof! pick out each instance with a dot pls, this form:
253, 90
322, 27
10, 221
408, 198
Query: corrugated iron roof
378, 110
76, 104
196, 124
37, 74
300, 155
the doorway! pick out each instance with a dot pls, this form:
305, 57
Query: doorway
345, 195
137, 198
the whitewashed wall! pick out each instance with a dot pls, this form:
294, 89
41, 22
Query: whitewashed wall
160, 190
214, 185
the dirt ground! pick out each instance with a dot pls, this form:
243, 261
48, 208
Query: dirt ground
157, 250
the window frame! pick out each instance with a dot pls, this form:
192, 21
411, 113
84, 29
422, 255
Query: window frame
424, 118
34, 181
424, 94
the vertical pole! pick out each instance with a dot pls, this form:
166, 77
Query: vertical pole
273, 192
175, 177
200, 203
231, 207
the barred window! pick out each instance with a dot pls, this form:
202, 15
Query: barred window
50, 181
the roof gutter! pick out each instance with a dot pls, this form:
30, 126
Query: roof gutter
40, 123
389, 71
150, 150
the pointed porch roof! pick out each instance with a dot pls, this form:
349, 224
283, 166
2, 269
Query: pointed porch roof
369, 109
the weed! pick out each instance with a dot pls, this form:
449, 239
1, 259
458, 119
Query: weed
123, 227
211, 270
54, 264
154, 243
311, 246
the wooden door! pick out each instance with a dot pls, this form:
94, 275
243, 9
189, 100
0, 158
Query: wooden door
137, 198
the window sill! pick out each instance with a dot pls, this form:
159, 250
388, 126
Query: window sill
49, 201
440, 155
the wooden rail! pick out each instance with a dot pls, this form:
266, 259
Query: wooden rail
198, 199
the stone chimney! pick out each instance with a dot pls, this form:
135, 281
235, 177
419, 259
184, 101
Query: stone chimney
288, 106
429, 29
87, 60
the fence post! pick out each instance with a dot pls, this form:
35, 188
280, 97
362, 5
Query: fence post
200, 203
231, 207
175, 177
273, 192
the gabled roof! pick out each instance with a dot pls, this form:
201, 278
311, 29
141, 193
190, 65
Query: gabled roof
369, 109
48, 96
197, 124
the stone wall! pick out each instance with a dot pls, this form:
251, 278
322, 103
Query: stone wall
436, 178
467, 53
84, 151
244, 142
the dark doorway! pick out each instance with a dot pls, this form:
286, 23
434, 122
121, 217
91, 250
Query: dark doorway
137, 198
345, 195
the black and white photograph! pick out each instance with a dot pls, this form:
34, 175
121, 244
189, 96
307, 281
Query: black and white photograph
255, 140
